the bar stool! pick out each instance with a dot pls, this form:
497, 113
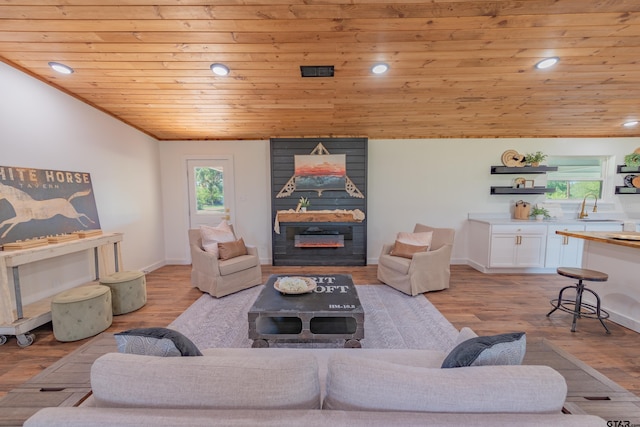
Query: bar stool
576, 306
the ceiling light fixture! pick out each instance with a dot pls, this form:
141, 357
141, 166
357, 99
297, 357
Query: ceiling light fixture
547, 63
219, 69
380, 68
630, 123
60, 68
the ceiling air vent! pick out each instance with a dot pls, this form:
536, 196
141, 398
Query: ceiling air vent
316, 70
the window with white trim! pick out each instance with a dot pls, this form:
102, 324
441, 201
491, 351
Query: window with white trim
576, 177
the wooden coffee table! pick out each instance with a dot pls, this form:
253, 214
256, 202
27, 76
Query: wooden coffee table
331, 312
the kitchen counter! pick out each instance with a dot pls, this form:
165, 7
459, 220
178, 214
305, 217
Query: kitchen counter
612, 238
500, 244
620, 259
560, 221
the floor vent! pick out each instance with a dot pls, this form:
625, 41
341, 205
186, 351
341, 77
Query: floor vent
316, 70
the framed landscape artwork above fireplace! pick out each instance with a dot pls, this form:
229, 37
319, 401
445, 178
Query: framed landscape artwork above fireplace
320, 172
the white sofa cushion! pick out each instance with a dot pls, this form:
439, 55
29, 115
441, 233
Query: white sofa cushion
418, 239
249, 381
357, 383
211, 236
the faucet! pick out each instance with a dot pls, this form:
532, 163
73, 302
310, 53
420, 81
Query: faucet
584, 214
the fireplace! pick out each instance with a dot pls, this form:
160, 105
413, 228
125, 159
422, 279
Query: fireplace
319, 244
333, 231
319, 237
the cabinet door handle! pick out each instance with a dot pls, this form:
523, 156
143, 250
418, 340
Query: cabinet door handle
518, 240
565, 240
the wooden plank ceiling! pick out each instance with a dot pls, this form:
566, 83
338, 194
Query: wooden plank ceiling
459, 68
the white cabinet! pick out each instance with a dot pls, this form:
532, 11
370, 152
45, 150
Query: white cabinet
563, 250
528, 246
517, 245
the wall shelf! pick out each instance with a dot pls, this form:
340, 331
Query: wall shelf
627, 169
522, 170
624, 189
627, 190
511, 190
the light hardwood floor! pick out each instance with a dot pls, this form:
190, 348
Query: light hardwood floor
487, 303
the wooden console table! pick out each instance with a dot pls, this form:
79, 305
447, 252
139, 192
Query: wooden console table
23, 319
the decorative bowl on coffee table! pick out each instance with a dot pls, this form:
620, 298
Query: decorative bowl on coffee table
294, 285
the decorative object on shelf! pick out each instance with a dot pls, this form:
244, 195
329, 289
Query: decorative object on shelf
540, 213
534, 159
629, 187
332, 176
303, 203
522, 210
512, 158
529, 183
633, 159
519, 182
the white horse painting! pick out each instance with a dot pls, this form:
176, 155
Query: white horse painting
27, 208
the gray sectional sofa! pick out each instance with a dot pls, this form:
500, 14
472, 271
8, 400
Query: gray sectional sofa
314, 387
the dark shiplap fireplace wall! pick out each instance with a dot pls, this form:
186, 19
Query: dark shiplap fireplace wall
354, 234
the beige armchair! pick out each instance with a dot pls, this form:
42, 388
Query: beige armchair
426, 271
222, 277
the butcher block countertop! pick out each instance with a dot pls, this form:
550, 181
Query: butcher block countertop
630, 239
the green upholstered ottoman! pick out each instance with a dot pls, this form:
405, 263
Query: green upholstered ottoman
128, 290
81, 312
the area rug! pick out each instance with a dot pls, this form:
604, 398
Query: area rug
392, 320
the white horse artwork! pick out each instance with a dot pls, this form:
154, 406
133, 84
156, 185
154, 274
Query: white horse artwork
27, 208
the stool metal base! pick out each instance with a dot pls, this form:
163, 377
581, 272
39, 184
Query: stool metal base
578, 308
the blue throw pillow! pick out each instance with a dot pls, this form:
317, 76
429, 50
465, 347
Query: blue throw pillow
156, 342
503, 349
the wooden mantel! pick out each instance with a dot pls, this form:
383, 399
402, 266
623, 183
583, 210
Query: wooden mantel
290, 215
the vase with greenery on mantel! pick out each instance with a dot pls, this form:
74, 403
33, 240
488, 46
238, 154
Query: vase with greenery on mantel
304, 203
534, 159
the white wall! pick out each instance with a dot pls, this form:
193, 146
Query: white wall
435, 182
41, 127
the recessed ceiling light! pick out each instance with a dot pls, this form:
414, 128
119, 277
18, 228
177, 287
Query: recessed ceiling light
220, 69
630, 123
548, 62
61, 68
380, 68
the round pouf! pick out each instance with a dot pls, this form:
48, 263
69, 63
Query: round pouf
81, 312
128, 290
